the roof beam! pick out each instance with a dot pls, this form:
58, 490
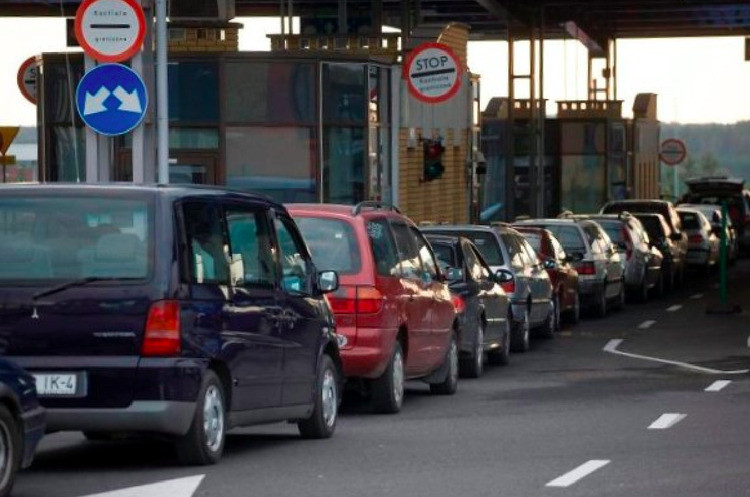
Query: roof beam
496, 9
596, 48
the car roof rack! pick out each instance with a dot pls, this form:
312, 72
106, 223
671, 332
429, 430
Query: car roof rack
373, 205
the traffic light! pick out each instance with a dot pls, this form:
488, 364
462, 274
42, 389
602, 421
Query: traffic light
433, 159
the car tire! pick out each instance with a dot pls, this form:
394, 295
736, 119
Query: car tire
388, 389
521, 334
473, 365
600, 307
204, 442
643, 292
620, 303
450, 384
10, 450
501, 357
574, 315
547, 331
322, 422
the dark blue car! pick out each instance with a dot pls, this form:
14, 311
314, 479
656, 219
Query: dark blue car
178, 311
21, 422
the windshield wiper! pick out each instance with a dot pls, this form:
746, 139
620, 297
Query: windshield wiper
74, 283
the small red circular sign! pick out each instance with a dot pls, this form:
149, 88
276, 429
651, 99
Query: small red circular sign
433, 72
110, 30
27, 79
673, 151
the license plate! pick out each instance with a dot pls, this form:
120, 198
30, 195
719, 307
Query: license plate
56, 383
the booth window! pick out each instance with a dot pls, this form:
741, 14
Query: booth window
193, 91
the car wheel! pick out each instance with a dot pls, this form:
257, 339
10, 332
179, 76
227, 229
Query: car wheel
643, 293
547, 330
621, 296
388, 390
558, 313
574, 315
322, 422
600, 308
10, 451
520, 336
450, 384
661, 284
204, 442
473, 366
501, 357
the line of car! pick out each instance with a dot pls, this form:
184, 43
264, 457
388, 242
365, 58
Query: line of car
183, 312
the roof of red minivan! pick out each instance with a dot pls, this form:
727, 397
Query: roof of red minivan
333, 208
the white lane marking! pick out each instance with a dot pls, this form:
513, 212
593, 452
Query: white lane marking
697, 296
717, 386
666, 421
581, 471
674, 308
646, 324
612, 345
180, 487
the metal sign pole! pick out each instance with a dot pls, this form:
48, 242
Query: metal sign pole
162, 104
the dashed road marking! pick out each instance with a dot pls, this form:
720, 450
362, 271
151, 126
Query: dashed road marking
666, 421
612, 345
581, 471
718, 386
696, 296
646, 324
674, 308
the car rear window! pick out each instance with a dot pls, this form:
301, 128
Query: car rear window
485, 242
534, 239
613, 230
333, 244
569, 236
68, 238
444, 254
653, 227
690, 221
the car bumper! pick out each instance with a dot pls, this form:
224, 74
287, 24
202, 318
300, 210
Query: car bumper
370, 354
589, 289
33, 431
149, 416
698, 257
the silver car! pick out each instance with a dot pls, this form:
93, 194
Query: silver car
601, 275
713, 214
703, 244
642, 262
519, 271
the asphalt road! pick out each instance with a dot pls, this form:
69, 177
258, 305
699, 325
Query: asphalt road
568, 418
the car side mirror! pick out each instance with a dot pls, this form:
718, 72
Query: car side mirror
575, 257
454, 274
503, 276
550, 264
328, 281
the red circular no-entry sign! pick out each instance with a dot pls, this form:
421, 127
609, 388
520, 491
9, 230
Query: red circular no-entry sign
433, 72
27, 79
110, 30
672, 151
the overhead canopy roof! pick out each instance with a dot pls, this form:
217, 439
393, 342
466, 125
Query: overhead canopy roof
600, 19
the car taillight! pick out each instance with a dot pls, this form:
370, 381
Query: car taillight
359, 300
695, 238
586, 268
459, 303
509, 286
162, 334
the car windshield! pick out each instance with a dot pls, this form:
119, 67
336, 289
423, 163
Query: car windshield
487, 245
68, 238
333, 244
569, 236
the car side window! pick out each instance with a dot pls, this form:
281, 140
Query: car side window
293, 257
470, 261
408, 252
251, 258
207, 245
592, 235
558, 249
531, 255
383, 246
480, 267
429, 265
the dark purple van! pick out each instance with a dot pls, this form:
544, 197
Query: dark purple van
180, 311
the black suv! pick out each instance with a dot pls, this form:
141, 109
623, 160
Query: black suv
178, 311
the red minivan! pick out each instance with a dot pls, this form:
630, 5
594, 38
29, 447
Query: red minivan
393, 307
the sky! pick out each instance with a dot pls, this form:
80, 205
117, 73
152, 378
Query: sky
697, 80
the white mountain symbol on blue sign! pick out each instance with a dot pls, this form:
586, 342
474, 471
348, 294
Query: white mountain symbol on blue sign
129, 102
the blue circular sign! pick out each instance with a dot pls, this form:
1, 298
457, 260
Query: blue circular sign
111, 99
